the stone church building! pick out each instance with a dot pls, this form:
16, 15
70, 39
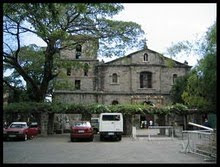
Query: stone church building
140, 77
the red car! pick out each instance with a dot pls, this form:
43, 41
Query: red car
33, 129
20, 130
81, 130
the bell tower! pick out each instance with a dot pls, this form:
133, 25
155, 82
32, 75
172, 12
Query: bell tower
82, 54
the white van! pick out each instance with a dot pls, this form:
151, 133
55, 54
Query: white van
110, 125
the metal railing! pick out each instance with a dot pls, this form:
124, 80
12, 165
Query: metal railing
200, 142
154, 132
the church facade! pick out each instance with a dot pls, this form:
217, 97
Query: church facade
144, 76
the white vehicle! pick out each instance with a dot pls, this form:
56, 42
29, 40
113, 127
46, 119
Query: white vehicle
110, 125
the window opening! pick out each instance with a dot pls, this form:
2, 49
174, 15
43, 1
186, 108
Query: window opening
114, 78
78, 51
111, 117
145, 57
77, 84
145, 80
86, 69
78, 48
68, 71
115, 102
174, 78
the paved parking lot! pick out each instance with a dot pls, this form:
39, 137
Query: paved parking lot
59, 149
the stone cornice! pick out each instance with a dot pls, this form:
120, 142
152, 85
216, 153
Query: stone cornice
141, 65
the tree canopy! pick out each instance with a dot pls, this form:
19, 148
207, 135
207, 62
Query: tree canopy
55, 23
178, 88
199, 90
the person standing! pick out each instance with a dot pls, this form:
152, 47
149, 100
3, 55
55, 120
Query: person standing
145, 124
206, 123
151, 123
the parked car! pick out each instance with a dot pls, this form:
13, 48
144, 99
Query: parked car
81, 130
34, 129
95, 124
20, 130
110, 126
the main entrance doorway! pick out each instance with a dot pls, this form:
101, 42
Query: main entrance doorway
145, 120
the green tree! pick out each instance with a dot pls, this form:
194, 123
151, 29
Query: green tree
178, 89
55, 23
31, 60
200, 90
193, 94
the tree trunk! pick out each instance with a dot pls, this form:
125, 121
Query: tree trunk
48, 67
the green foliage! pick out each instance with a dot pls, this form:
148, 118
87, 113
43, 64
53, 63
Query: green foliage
27, 107
56, 21
56, 24
193, 95
199, 88
177, 109
98, 108
178, 88
126, 109
32, 60
64, 84
183, 46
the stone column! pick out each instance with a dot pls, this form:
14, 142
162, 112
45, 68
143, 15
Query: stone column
127, 124
136, 121
44, 123
50, 123
161, 122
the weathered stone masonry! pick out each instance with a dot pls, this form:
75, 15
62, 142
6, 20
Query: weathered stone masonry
120, 80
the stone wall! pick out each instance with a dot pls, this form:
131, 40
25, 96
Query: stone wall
98, 86
86, 54
75, 97
44, 123
166, 79
123, 84
153, 58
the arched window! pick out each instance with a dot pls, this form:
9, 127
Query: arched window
146, 80
145, 57
115, 102
114, 78
78, 51
86, 69
78, 48
77, 84
68, 71
174, 78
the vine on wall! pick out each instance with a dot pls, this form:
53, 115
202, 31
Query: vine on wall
126, 109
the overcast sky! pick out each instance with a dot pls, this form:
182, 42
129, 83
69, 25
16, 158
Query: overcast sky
166, 23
